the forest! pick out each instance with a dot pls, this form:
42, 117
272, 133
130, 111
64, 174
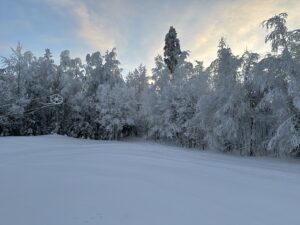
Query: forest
248, 104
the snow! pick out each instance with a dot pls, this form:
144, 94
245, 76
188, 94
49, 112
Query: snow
56, 180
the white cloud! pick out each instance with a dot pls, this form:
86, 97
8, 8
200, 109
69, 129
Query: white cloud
200, 24
91, 27
240, 23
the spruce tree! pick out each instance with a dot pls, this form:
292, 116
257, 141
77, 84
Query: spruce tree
171, 49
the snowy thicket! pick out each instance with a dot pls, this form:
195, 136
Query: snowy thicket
249, 103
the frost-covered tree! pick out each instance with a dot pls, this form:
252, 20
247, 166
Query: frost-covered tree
223, 132
19, 67
116, 111
138, 79
249, 100
278, 37
40, 88
139, 82
111, 69
70, 74
193, 131
160, 74
286, 138
248, 104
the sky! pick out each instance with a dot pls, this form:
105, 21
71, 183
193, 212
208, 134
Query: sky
137, 28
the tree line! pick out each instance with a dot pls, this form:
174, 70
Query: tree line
248, 104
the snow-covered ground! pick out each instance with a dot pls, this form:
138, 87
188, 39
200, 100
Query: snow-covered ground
55, 180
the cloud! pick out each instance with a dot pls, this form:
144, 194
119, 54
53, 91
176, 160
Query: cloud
240, 23
137, 28
103, 25
90, 27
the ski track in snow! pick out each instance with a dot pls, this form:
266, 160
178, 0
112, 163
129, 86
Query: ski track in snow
57, 180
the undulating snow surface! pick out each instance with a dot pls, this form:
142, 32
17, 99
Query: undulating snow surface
55, 180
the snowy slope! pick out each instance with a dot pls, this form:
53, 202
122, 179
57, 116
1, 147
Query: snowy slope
54, 180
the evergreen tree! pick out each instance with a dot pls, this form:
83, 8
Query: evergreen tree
171, 50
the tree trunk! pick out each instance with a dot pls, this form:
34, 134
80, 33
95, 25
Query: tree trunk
251, 136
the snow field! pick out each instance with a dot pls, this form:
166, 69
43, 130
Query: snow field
56, 180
